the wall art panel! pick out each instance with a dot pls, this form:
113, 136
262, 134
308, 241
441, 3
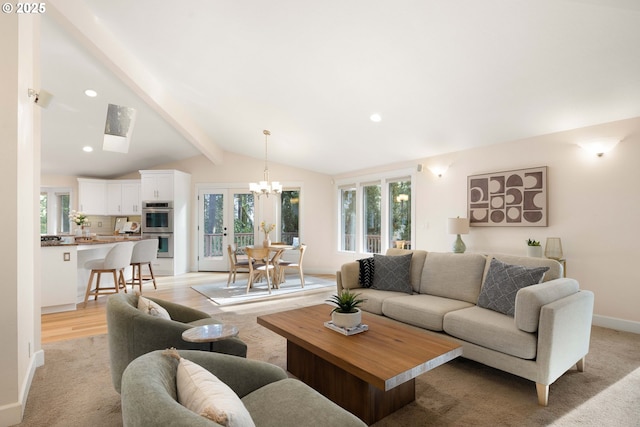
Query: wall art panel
511, 198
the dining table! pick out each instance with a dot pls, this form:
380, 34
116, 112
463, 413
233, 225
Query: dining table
276, 251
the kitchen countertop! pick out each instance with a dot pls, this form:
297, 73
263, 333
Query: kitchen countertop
98, 240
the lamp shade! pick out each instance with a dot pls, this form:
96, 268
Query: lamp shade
458, 225
553, 248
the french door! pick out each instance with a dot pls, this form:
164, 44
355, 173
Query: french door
225, 216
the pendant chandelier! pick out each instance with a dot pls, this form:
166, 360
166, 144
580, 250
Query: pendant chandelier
265, 187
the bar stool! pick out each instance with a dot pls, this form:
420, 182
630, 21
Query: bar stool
116, 260
144, 253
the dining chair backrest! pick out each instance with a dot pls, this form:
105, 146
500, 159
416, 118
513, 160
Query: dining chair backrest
257, 254
145, 251
119, 256
302, 249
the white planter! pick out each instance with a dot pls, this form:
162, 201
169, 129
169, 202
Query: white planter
347, 320
534, 251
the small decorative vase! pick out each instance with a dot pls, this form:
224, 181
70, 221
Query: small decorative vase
266, 243
534, 251
79, 231
347, 320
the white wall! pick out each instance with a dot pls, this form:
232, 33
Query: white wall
19, 169
594, 207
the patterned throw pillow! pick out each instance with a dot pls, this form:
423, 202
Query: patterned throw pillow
366, 272
503, 282
391, 273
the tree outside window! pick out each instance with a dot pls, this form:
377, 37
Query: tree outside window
348, 219
290, 216
400, 214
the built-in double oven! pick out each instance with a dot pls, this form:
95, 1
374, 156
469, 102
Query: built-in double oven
157, 223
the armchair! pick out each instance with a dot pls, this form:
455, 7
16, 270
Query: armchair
132, 333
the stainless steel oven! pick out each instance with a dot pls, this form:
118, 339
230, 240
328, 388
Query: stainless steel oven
157, 217
165, 243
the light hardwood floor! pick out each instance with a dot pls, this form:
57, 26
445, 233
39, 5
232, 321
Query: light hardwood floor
92, 320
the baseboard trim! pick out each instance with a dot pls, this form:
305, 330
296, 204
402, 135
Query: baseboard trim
617, 324
12, 414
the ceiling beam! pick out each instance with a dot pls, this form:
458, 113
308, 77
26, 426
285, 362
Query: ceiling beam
77, 19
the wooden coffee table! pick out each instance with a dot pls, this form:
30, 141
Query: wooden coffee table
371, 374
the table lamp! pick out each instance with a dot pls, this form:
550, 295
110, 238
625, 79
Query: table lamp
458, 226
553, 248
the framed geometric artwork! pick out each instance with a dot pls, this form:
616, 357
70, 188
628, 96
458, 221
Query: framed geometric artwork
508, 199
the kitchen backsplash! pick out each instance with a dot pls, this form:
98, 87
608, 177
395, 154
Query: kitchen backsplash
100, 224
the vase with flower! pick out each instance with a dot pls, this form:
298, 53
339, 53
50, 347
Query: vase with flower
80, 219
266, 229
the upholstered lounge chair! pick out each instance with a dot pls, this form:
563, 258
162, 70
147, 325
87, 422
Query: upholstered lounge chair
149, 396
133, 333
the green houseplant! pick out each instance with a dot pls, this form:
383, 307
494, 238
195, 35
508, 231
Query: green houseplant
534, 249
346, 313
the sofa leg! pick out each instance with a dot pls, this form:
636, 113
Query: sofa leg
581, 365
543, 394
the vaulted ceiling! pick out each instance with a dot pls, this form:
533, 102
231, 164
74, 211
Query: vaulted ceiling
444, 75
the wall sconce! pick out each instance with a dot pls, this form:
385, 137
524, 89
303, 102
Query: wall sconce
438, 170
599, 146
42, 98
458, 226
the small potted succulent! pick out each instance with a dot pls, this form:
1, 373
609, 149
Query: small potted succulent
534, 249
346, 314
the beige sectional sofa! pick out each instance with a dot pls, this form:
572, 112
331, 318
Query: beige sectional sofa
548, 334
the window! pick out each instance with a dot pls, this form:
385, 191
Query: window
400, 214
348, 219
54, 210
376, 213
290, 216
372, 217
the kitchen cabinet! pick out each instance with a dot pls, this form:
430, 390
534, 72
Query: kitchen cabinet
123, 197
157, 185
92, 196
58, 279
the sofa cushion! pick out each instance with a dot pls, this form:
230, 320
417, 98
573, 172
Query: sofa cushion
366, 268
502, 283
373, 298
490, 329
417, 264
203, 393
152, 308
391, 273
455, 276
424, 311
290, 402
529, 301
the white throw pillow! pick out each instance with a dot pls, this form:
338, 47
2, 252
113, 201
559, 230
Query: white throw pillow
154, 309
203, 393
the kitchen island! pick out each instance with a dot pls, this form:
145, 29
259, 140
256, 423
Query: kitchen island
64, 278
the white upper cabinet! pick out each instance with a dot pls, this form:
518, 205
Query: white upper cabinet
92, 196
157, 186
131, 198
123, 197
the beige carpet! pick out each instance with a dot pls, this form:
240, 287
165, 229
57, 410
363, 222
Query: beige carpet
74, 387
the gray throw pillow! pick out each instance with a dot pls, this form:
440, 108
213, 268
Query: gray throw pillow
503, 282
391, 273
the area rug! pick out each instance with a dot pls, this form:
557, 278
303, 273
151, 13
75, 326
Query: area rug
236, 293
74, 388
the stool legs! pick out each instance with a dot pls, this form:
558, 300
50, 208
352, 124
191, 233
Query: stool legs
137, 279
118, 282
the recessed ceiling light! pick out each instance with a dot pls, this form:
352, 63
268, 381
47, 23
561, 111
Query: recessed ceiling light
91, 93
87, 149
375, 117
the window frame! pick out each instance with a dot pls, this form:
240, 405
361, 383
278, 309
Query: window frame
359, 182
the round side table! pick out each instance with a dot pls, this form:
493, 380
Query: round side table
210, 333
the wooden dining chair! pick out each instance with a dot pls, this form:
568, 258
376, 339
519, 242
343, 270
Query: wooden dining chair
259, 264
235, 265
283, 265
